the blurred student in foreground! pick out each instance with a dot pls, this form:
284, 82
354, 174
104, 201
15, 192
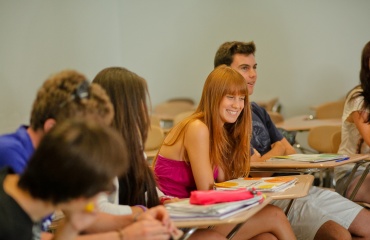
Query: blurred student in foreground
74, 162
64, 95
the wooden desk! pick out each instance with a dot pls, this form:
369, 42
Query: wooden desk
300, 189
237, 218
304, 167
307, 168
304, 123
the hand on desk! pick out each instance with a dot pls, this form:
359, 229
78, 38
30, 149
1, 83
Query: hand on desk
256, 157
175, 199
152, 224
278, 148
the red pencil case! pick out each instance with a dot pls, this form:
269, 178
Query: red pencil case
216, 196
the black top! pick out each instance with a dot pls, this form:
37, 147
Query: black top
15, 224
265, 132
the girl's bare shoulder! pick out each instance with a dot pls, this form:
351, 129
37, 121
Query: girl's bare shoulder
198, 124
196, 128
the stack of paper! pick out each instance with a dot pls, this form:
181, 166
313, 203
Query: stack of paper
184, 210
311, 157
269, 184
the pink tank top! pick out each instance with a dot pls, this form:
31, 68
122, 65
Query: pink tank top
175, 178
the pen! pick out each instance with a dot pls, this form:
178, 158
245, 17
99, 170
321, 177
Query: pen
342, 159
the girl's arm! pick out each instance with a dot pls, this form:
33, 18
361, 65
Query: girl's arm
109, 203
364, 128
151, 225
196, 143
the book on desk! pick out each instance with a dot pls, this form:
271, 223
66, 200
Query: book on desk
320, 157
266, 184
184, 210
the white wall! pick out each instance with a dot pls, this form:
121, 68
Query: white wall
308, 52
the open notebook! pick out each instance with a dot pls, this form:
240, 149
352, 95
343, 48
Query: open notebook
311, 157
267, 184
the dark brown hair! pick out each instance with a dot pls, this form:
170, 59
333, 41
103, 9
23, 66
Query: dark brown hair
364, 79
76, 158
129, 95
225, 53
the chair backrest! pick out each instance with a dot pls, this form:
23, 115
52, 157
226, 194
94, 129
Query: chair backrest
153, 142
171, 109
272, 105
336, 140
154, 120
181, 99
275, 117
330, 110
179, 117
155, 138
324, 139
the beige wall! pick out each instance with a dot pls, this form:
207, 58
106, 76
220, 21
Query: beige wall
307, 51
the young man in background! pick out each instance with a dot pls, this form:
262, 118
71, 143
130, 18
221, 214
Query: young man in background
322, 214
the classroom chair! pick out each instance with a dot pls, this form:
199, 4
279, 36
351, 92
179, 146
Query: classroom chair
182, 99
153, 142
272, 105
332, 109
276, 117
179, 117
325, 139
154, 120
171, 109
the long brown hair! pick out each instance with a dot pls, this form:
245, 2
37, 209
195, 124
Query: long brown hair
129, 95
364, 80
230, 145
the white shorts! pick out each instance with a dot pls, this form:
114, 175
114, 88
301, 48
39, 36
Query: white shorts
309, 213
340, 184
